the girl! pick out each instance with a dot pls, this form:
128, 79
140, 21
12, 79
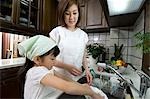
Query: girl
42, 81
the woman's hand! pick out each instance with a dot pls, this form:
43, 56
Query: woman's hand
70, 68
73, 70
88, 76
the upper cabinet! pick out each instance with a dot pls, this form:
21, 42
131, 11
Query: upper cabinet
29, 13
6, 10
20, 15
48, 15
92, 15
28, 17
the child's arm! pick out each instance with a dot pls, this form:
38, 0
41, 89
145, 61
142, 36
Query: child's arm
69, 87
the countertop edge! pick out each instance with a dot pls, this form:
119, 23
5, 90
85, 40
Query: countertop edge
9, 63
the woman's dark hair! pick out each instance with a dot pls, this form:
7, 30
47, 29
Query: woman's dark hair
29, 64
63, 6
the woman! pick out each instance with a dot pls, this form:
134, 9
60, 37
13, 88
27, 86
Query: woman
71, 41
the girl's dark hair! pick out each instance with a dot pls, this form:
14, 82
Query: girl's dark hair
29, 64
63, 6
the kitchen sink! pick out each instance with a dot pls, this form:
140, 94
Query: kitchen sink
113, 87
128, 92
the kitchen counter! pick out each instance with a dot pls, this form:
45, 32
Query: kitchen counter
8, 63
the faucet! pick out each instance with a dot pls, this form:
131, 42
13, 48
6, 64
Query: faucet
145, 81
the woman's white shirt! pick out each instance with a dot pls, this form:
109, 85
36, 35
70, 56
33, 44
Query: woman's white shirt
72, 45
34, 89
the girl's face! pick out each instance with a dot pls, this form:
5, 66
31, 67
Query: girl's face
71, 16
48, 61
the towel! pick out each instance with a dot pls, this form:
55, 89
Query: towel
35, 46
98, 91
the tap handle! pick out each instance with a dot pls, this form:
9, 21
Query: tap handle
132, 66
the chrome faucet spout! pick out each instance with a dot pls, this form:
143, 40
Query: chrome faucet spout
129, 84
145, 80
145, 83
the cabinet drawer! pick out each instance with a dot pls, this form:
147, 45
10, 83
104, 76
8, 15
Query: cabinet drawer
10, 84
8, 73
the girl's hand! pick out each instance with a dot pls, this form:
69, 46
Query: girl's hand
98, 94
89, 77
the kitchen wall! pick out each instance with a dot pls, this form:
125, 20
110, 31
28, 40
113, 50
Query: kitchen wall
136, 55
126, 36
102, 38
123, 36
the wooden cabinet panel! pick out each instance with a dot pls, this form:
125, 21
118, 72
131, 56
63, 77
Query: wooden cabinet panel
146, 56
92, 15
20, 16
83, 17
146, 63
48, 15
10, 85
10, 88
82, 2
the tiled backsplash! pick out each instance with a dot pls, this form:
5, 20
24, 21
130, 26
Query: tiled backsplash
102, 38
122, 36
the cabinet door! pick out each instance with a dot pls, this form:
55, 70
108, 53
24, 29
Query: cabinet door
146, 63
29, 13
93, 14
49, 15
6, 10
10, 88
20, 16
146, 56
83, 17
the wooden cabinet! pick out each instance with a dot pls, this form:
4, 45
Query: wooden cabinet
82, 23
20, 16
48, 15
28, 17
146, 56
93, 16
10, 86
28, 13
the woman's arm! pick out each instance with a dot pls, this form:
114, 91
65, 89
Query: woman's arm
72, 69
87, 71
72, 88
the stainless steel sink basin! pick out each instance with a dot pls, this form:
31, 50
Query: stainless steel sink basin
113, 89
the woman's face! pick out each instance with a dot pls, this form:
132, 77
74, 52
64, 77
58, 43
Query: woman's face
71, 16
